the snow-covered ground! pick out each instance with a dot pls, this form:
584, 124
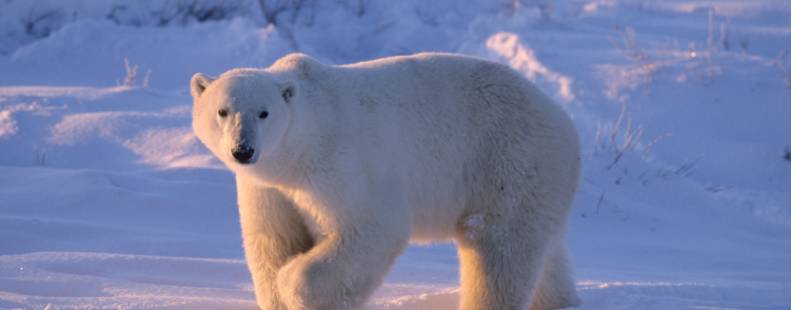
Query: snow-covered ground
107, 200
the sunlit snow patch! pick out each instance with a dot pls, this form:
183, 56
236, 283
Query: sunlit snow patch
521, 57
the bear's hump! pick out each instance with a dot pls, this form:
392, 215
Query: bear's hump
295, 62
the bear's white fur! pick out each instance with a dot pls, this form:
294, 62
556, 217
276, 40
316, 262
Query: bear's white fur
351, 162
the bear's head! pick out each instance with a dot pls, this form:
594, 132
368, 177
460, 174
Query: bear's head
242, 116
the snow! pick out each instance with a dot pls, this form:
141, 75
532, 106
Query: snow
521, 57
107, 200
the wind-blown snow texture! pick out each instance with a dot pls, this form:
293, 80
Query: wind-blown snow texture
107, 200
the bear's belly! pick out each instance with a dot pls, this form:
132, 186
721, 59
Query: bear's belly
434, 193
434, 216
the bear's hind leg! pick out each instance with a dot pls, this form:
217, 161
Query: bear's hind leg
556, 288
501, 261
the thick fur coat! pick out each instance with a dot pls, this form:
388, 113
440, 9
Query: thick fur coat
339, 167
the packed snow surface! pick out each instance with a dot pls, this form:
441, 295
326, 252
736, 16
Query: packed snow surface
107, 199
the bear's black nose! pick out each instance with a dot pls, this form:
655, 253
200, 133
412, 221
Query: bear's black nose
243, 153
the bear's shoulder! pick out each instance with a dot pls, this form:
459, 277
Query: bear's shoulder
239, 72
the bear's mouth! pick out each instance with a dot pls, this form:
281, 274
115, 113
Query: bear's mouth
245, 162
244, 154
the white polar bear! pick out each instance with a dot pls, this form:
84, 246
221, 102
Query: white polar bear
338, 167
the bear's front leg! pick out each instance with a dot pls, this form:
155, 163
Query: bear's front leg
273, 233
350, 262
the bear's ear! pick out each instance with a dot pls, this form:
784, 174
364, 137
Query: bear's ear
198, 84
288, 91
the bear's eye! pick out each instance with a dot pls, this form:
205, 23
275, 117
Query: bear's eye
263, 115
222, 112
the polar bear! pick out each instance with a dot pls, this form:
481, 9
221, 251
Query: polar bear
339, 167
